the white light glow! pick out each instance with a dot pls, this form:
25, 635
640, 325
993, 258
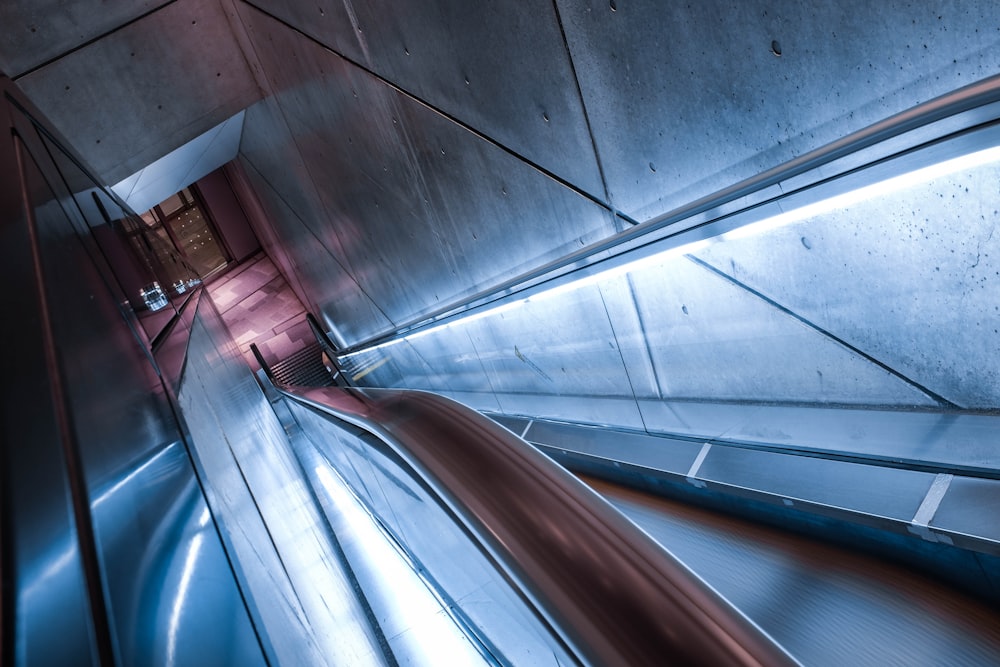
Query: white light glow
811, 210
870, 191
108, 493
182, 592
54, 568
430, 636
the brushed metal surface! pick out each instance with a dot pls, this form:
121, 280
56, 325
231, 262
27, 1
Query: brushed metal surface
477, 595
685, 100
44, 581
657, 453
134, 263
885, 492
301, 597
619, 618
137, 498
966, 505
145, 89
826, 605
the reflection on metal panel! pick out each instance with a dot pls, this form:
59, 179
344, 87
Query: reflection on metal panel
109, 532
501, 624
639, 605
826, 605
44, 580
301, 597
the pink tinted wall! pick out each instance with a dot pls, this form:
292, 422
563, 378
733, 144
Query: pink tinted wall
228, 216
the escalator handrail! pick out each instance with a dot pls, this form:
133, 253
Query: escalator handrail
919, 120
613, 595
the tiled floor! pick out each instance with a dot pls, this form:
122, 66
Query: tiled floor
259, 307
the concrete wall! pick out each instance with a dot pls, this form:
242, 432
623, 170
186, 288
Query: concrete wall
409, 160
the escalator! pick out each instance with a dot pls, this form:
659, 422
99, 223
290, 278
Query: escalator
803, 601
826, 604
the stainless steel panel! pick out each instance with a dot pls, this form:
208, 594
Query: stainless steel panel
118, 432
951, 439
596, 410
917, 290
302, 599
461, 575
642, 606
515, 425
970, 506
884, 492
38, 31
826, 605
171, 588
44, 582
477, 401
657, 453
426, 210
685, 100
146, 89
695, 418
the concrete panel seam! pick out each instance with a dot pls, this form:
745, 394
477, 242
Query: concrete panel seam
472, 130
944, 402
87, 43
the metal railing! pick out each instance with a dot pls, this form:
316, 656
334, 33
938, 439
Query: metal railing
610, 593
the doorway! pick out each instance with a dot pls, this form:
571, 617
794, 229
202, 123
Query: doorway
182, 220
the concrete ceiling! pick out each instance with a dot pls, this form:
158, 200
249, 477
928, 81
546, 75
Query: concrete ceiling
126, 83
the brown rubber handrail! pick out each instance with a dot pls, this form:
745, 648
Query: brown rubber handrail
611, 593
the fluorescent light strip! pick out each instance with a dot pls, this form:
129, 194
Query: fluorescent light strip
870, 191
805, 211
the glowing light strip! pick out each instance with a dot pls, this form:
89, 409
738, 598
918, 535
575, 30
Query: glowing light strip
840, 201
433, 638
870, 191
